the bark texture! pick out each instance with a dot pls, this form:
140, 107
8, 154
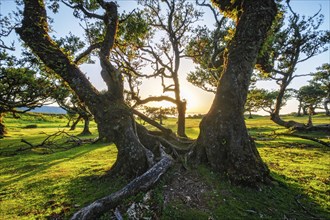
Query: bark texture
224, 142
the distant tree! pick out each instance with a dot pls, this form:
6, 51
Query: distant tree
262, 99
70, 102
311, 96
322, 77
292, 43
301, 107
136, 48
173, 20
70, 116
159, 113
255, 101
21, 87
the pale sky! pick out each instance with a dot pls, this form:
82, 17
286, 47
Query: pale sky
198, 101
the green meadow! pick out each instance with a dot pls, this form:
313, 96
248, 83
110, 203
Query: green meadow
54, 182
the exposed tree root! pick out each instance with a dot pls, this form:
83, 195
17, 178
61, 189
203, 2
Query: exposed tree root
141, 183
323, 127
164, 130
327, 144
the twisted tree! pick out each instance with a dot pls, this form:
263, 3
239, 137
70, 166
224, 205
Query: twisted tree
223, 142
112, 115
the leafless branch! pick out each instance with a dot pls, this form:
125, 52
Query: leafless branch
87, 52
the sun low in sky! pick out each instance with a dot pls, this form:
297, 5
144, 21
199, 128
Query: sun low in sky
198, 101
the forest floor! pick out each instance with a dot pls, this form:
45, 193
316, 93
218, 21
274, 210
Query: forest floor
43, 183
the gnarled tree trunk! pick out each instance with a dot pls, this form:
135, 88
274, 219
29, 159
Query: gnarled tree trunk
224, 142
110, 112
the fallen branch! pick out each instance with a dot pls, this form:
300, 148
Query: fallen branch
50, 141
42, 145
141, 183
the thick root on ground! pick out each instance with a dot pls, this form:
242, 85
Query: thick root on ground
141, 183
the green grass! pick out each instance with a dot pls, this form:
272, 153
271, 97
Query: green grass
35, 185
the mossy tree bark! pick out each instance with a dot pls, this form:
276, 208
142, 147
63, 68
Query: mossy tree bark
113, 117
224, 142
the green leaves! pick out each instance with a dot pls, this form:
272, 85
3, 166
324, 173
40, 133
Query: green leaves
206, 48
310, 95
322, 77
133, 29
71, 44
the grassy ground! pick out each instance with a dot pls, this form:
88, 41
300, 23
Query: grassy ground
38, 184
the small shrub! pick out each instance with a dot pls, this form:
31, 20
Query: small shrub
31, 126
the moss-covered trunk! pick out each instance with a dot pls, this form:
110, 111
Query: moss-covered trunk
224, 142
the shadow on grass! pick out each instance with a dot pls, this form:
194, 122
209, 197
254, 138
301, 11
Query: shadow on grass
53, 183
261, 129
28, 164
82, 191
284, 200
